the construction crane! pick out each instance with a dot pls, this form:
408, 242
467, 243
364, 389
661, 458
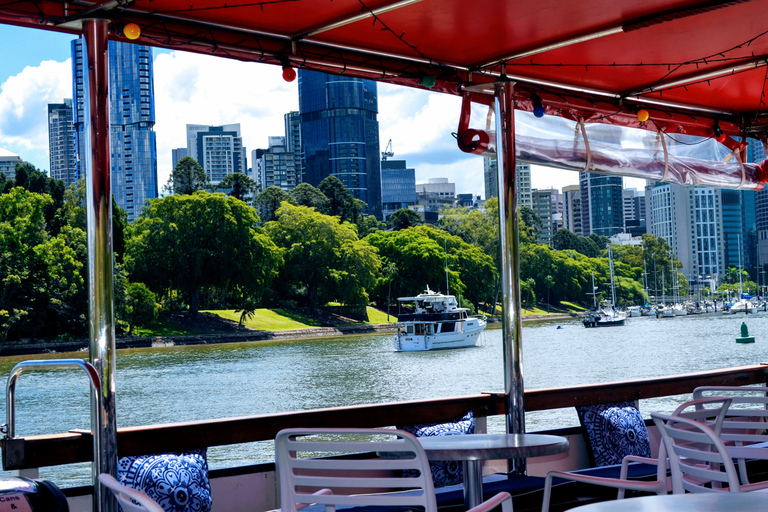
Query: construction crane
387, 151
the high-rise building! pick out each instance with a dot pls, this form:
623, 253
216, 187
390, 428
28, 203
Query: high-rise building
293, 142
340, 134
756, 154
133, 149
602, 204
176, 155
522, 181
543, 207
398, 186
275, 167
8, 163
689, 219
572, 209
61, 142
218, 149
739, 229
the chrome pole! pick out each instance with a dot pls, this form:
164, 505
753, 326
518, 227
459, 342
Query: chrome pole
510, 264
101, 320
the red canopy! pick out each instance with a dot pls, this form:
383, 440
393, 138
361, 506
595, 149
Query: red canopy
691, 65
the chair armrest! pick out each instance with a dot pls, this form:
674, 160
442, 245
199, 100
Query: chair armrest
634, 458
503, 498
321, 492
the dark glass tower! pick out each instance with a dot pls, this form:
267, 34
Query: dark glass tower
340, 134
602, 204
133, 152
61, 142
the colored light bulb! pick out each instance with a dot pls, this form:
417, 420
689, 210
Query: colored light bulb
289, 74
643, 115
131, 31
428, 81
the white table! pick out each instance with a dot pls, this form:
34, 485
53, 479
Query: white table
709, 502
473, 449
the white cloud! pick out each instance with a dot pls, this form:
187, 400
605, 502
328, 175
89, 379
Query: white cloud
24, 102
199, 89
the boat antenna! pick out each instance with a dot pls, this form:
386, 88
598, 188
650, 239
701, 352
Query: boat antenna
445, 252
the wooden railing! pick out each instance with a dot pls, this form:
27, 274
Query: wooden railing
67, 448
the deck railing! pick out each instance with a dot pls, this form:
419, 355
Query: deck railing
76, 446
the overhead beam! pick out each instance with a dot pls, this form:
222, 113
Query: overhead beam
347, 20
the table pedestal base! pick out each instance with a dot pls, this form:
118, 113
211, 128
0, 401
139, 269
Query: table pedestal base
473, 483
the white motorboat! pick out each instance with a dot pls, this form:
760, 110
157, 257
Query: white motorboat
634, 311
437, 322
604, 316
742, 306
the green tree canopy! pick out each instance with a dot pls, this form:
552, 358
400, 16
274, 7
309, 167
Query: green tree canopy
269, 201
192, 242
531, 219
187, 177
404, 218
307, 195
242, 186
324, 255
340, 202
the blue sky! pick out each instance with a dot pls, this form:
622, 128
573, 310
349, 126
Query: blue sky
199, 89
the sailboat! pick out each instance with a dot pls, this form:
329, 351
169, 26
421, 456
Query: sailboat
606, 315
741, 305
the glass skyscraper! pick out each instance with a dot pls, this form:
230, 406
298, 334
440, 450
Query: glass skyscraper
133, 152
340, 134
602, 204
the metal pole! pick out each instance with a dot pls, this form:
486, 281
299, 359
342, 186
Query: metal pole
510, 264
98, 209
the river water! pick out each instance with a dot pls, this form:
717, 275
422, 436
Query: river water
165, 385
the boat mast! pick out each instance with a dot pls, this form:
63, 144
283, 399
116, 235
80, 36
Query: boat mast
445, 252
594, 292
738, 241
610, 267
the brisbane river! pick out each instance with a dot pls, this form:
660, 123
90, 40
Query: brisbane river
172, 384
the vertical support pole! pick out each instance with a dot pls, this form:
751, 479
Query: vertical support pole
101, 320
510, 264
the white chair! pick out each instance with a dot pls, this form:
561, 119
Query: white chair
130, 499
698, 459
322, 466
745, 430
711, 410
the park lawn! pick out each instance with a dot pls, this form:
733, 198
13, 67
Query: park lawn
535, 311
162, 327
573, 307
270, 319
376, 316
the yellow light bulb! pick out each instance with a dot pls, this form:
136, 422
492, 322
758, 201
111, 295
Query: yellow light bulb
131, 31
643, 115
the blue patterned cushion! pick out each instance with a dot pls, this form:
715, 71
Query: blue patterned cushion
613, 431
177, 482
447, 472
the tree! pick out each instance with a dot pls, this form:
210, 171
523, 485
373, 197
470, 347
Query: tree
549, 282
200, 241
340, 202
268, 202
307, 195
531, 219
242, 186
390, 270
30, 178
187, 177
141, 306
367, 224
404, 218
324, 255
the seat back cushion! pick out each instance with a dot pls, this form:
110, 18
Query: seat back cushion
178, 482
447, 472
613, 430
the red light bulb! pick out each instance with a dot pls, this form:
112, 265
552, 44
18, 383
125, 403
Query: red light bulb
289, 74
720, 138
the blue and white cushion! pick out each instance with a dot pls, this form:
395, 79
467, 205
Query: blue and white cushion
613, 431
177, 482
447, 472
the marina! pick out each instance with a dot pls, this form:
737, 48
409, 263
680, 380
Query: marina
189, 383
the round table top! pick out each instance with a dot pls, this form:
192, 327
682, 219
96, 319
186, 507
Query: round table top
708, 502
492, 446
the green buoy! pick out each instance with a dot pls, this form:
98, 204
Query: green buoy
745, 337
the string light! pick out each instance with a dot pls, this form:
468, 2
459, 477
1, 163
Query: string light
132, 31
643, 115
428, 81
538, 108
719, 135
289, 74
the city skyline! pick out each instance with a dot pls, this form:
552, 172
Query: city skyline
200, 89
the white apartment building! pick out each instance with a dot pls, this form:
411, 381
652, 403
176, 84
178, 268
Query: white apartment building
218, 149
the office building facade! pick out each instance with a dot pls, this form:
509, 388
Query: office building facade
398, 186
133, 148
522, 181
542, 206
176, 155
293, 142
8, 163
572, 209
275, 166
340, 134
61, 142
739, 229
602, 204
218, 149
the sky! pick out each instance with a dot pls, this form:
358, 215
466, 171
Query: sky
200, 89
